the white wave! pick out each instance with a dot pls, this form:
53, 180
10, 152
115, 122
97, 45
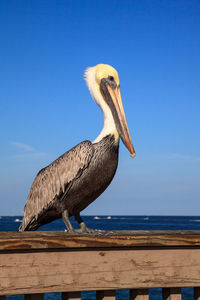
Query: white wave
195, 220
96, 218
18, 220
109, 217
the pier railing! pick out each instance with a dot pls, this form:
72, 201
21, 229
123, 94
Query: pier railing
34, 263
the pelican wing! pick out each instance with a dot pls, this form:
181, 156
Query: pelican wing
54, 180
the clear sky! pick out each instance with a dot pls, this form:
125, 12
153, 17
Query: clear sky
46, 108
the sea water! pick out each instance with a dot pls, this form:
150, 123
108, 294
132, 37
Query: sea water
8, 223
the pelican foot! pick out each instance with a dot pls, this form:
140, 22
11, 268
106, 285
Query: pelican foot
84, 229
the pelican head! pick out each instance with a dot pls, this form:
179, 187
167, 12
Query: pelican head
103, 83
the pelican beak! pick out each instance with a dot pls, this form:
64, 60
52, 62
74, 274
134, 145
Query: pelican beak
120, 119
112, 95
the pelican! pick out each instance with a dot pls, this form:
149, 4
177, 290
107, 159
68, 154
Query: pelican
76, 178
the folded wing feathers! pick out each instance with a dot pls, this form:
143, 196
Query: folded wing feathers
52, 180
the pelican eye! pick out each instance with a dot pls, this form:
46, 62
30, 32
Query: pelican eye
111, 78
111, 81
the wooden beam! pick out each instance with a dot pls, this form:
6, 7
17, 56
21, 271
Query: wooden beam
139, 294
34, 297
105, 295
89, 270
71, 295
197, 293
171, 294
106, 239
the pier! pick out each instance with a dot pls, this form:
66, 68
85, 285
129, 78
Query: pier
34, 263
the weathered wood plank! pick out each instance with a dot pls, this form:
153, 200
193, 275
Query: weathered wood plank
171, 294
197, 293
55, 239
105, 295
34, 296
37, 272
139, 294
71, 295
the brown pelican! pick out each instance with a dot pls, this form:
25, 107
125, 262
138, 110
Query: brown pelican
75, 179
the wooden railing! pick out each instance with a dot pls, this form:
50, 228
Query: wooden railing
34, 263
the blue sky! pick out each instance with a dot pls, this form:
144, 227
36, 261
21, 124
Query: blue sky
46, 108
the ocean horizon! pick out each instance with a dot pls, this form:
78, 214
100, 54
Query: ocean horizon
113, 222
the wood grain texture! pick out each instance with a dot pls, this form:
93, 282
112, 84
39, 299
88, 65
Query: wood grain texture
108, 239
171, 294
139, 294
67, 271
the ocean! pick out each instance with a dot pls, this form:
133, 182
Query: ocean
8, 223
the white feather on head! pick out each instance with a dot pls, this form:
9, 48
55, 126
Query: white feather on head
93, 76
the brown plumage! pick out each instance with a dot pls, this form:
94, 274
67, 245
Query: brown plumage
52, 182
71, 182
